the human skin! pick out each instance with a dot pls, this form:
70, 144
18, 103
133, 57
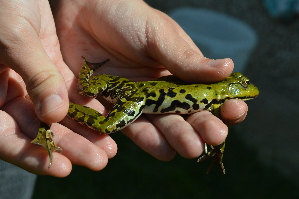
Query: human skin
142, 44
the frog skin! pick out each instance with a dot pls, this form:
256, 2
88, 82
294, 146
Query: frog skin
165, 95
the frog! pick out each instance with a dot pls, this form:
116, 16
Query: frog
165, 95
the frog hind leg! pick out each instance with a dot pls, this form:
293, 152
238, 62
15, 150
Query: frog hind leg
121, 115
216, 153
45, 139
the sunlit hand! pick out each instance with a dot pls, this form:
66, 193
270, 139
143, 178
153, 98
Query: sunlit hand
38, 85
143, 44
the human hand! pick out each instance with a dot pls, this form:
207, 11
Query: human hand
29, 45
143, 44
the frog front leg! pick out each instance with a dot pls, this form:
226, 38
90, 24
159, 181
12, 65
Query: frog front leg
123, 113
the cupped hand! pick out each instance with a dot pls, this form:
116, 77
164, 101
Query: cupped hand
143, 44
34, 81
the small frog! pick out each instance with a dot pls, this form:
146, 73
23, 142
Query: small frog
167, 94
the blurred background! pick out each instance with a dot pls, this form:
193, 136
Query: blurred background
261, 156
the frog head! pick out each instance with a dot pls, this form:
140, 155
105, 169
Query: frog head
237, 86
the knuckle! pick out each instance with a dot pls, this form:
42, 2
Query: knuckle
41, 81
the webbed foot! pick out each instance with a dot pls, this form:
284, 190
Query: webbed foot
45, 139
216, 153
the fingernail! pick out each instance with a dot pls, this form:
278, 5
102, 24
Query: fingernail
216, 62
50, 104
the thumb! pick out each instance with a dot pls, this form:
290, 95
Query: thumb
178, 53
45, 85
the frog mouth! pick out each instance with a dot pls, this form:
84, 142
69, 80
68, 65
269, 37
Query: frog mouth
245, 98
221, 101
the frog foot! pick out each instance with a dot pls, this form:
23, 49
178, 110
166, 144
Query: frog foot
45, 139
216, 153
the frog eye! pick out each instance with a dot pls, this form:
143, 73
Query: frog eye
245, 83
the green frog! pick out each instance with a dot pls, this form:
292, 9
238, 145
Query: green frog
130, 99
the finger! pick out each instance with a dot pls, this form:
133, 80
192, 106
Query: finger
45, 87
177, 52
78, 149
148, 138
233, 112
104, 142
210, 128
180, 134
153, 39
22, 50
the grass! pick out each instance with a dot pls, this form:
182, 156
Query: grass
133, 173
